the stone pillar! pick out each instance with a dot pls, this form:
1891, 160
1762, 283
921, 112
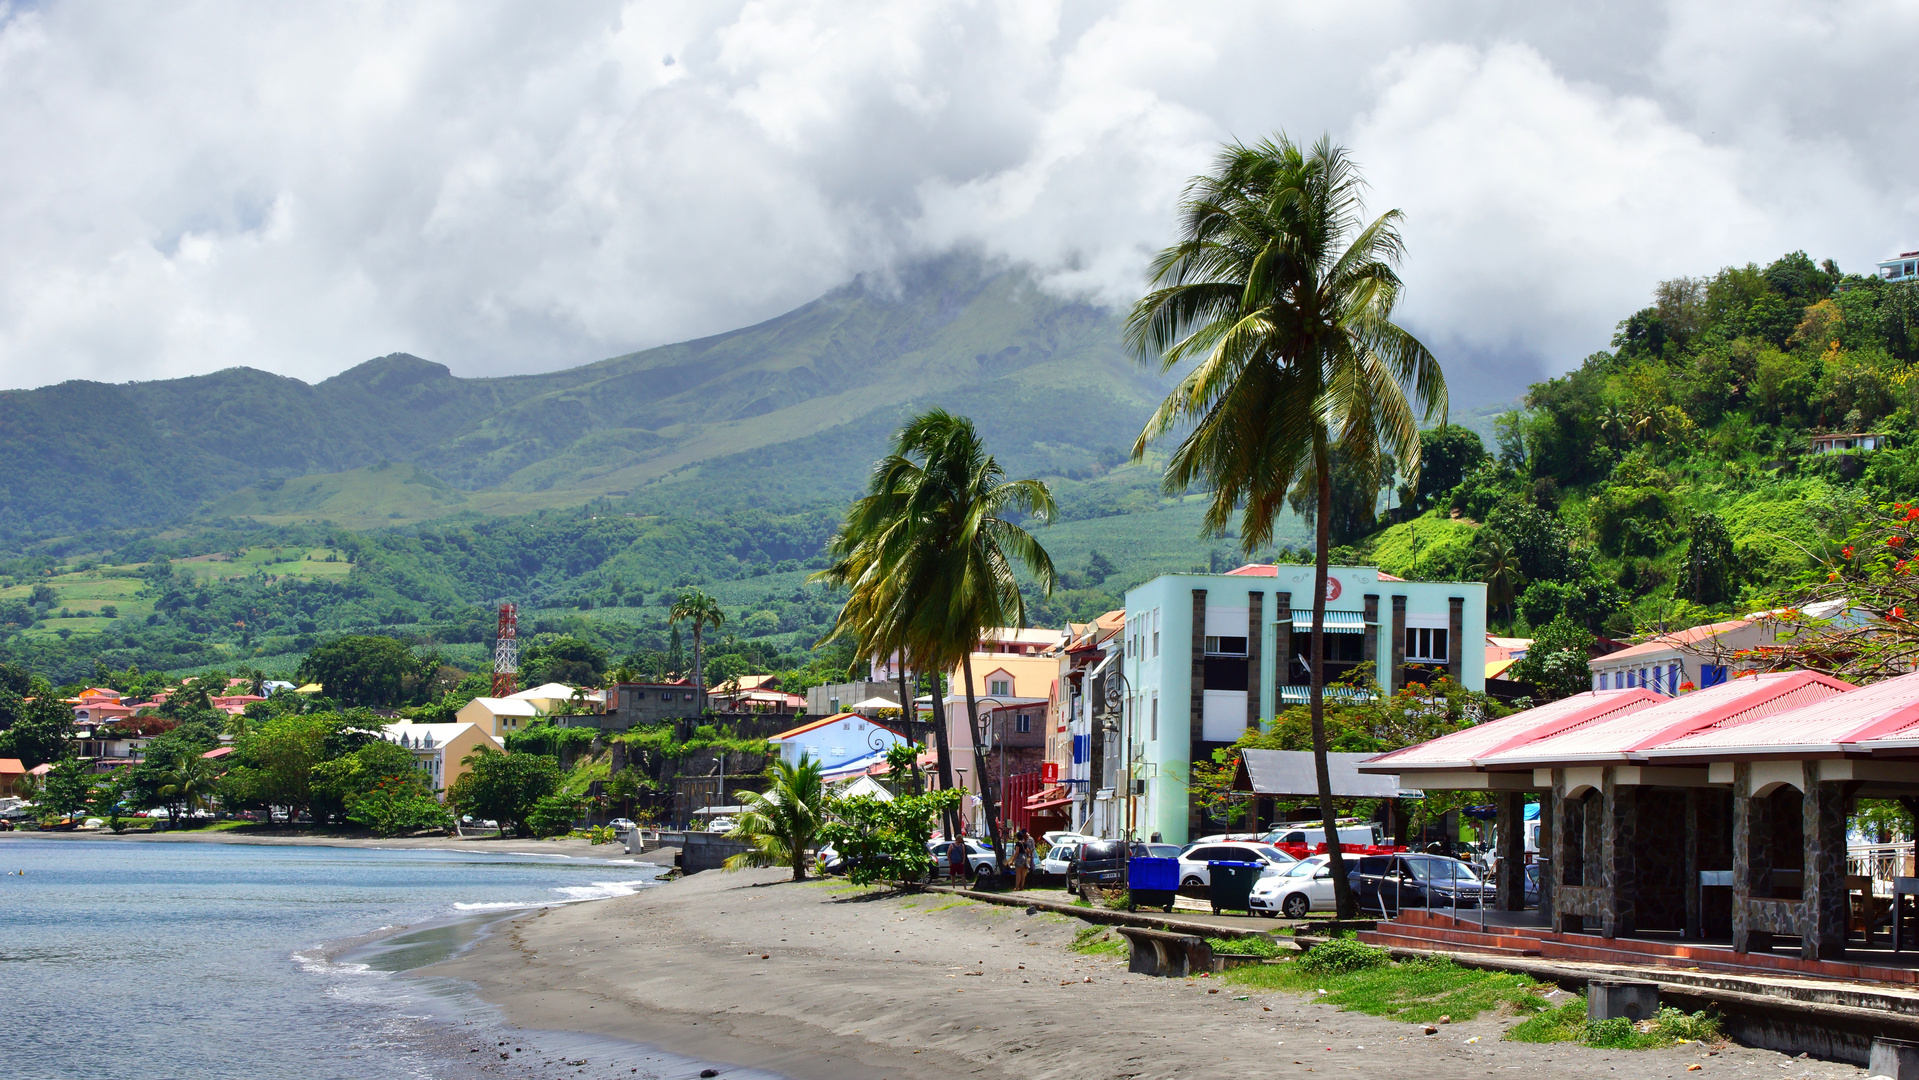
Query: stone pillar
1824, 881
1282, 647
1455, 647
1371, 647
1560, 850
1255, 657
1548, 807
1397, 677
1512, 851
1196, 702
1695, 912
1751, 859
1619, 858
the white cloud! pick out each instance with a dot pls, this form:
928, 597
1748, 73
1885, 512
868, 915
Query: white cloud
511, 188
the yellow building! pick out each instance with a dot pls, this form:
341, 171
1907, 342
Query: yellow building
498, 716
440, 749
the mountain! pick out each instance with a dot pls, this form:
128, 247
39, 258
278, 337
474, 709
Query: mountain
787, 412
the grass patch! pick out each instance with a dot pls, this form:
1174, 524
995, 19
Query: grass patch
1415, 991
1568, 1023
949, 905
1099, 941
1253, 945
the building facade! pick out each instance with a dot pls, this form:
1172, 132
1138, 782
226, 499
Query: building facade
440, 750
1204, 657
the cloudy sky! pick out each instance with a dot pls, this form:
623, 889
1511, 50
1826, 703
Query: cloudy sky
518, 187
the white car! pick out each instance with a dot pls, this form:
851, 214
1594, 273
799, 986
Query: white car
1306, 886
1060, 855
621, 824
721, 824
1192, 861
981, 863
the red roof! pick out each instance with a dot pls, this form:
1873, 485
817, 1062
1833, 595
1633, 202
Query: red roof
1255, 570
12, 766
1462, 748
804, 728
1677, 639
1886, 710
218, 752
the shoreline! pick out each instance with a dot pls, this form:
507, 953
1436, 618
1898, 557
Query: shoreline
569, 848
820, 981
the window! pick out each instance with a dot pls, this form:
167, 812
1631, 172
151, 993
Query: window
1155, 631
1226, 646
999, 686
1023, 724
1427, 644
1155, 728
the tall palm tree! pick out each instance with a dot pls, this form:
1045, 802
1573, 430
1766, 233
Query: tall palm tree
936, 569
187, 784
1498, 567
700, 609
781, 823
1280, 295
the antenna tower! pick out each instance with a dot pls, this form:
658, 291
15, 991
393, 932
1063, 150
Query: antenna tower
506, 651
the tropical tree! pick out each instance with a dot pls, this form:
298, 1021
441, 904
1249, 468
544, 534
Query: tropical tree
1279, 294
504, 787
187, 786
935, 568
1498, 567
700, 609
780, 824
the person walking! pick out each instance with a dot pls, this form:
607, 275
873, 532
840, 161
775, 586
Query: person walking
1023, 851
956, 859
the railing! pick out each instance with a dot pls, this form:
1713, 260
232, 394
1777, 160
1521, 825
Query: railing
1880, 862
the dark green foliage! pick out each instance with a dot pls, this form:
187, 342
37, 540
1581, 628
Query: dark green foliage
41, 729
1707, 573
504, 787
562, 659
1446, 456
68, 790
553, 815
1556, 663
365, 670
1541, 543
1340, 956
543, 738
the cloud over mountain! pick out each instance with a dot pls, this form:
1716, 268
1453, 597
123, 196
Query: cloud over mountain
508, 188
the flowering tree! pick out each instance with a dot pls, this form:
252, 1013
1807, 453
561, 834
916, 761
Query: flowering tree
1853, 617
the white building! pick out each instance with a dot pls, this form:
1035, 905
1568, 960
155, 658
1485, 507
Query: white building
440, 749
1903, 268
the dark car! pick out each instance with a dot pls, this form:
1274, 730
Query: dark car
1386, 883
1100, 863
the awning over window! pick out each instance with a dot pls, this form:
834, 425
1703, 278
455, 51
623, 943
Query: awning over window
1297, 695
1337, 622
1050, 797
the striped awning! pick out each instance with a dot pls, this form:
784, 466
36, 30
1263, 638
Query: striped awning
1299, 695
1337, 622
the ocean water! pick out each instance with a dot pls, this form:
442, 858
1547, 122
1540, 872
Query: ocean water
204, 960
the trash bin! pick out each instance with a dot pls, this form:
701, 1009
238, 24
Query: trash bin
1231, 884
1152, 882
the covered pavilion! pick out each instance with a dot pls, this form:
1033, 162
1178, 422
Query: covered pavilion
1717, 815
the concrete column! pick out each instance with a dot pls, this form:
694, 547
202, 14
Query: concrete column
1255, 657
1695, 913
1824, 882
1196, 704
1371, 653
1397, 676
1512, 851
1560, 850
1619, 859
1282, 647
1455, 648
1751, 859
1548, 806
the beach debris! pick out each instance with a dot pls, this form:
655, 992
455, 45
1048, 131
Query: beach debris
1431, 1030
1474, 1039
1446, 1019
1694, 1067
766, 956
1214, 990
1031, 910
709, 1072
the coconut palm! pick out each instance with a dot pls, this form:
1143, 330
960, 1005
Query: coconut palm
935, 569
700, 609
187, 785
1279, 294
1498, 567
780, 823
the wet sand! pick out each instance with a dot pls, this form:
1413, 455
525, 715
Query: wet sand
820, 983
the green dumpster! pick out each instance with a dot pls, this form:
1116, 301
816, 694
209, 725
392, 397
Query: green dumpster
1231, 884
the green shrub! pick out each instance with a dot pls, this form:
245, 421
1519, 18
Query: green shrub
1340, 956
1614, 1034
1253, 945
1567, 1023
1673, 1024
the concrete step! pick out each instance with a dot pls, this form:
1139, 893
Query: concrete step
1447, 936
1390, 940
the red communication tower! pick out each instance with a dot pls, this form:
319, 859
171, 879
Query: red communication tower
506, 651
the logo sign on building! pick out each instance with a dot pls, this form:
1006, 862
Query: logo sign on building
1049, 772
1332, 587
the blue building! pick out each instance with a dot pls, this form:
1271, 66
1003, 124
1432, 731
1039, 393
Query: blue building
1206, 656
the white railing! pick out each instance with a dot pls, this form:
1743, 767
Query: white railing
1880, 862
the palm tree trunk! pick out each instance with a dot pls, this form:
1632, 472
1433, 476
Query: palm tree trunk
699, 672
909, 715
986, 798
1322, 542
943, 750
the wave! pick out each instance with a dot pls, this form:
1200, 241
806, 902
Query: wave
603, 890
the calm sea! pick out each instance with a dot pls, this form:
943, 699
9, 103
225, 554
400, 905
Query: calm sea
202, 960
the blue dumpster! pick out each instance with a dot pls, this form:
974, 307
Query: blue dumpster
1151, 882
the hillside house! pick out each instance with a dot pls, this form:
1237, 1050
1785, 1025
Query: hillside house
837, 742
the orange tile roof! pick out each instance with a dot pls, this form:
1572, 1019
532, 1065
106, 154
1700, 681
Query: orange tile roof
12, 766
1676, 639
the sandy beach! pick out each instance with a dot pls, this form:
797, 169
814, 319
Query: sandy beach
821, 983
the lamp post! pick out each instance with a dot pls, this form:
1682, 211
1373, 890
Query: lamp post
1000, 742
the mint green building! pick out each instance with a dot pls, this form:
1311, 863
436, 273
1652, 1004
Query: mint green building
1206, 656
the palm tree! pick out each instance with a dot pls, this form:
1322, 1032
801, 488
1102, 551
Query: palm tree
781, 822
932, 567
1281, 294
1498, 567
696, 607
187, 784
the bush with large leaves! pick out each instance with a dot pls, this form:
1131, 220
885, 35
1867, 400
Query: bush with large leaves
504, 787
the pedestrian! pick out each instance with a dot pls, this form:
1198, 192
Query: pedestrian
956, 859
1022, 859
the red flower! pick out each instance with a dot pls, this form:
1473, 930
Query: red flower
1898, 613
1846, 551
1913, 514
1895, 541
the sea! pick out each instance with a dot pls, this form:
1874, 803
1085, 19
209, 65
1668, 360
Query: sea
204, 961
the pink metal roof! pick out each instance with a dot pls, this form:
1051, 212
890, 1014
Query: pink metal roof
1462, 748
1624, 737
1882, 710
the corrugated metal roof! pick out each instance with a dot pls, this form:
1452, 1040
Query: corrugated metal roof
1881, 710
1624, 737
1461, 748
1291, 772
1678, 639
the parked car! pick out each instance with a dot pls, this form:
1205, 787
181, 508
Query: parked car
1164, 851
1192, 861
1228, 837
1059, 858
1305, 886
621, 824
1100, 863
1389, 882
721, 824
1300, 841
981, 863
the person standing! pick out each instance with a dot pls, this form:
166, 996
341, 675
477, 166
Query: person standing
1023, 851
956, 859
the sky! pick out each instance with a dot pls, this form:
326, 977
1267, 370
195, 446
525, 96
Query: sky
508, 188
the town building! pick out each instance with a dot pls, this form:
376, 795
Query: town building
1207, 656
498, 716
1848, 442
838, 742
1903, 267
440, 750
628, 705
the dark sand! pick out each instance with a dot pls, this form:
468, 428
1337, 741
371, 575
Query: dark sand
853, 987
